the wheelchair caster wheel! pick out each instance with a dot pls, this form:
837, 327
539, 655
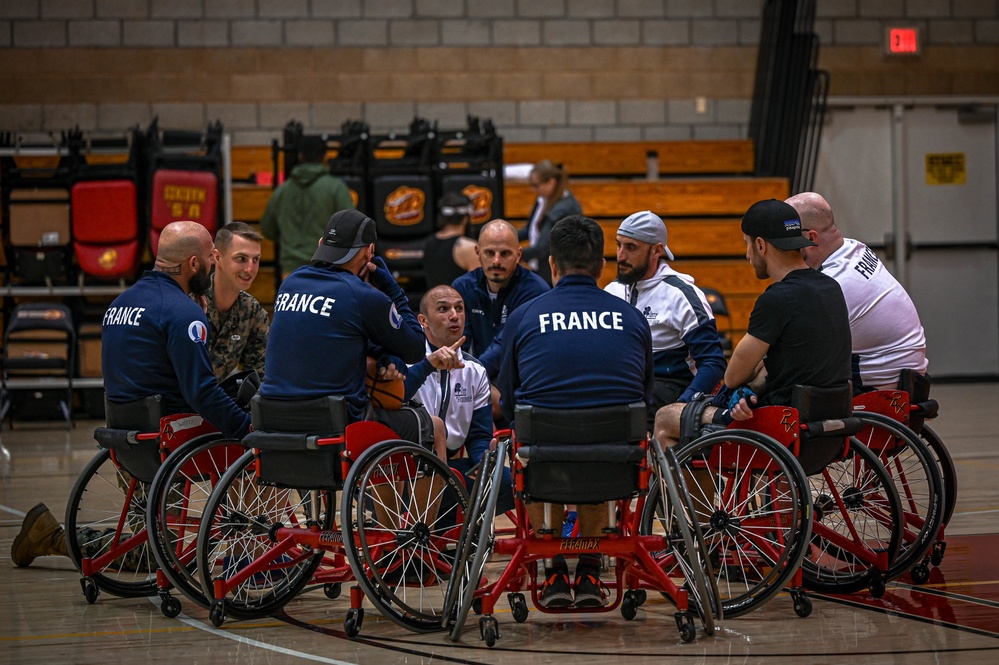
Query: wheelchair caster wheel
518, 604
90, 590
170, 607
641, 596
685, 624
352, 624
477, 605
920, 574
802, 605
332, 591
878, 587
489, 630
629, 605
938, 553
217, 614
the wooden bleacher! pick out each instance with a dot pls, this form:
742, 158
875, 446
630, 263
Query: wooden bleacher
705, 188
702, 212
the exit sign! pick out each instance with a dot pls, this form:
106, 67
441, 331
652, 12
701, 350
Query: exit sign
902, 41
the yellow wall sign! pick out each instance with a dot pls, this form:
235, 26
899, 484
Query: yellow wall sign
946, 169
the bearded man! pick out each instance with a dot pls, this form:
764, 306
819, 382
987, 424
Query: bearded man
686, 347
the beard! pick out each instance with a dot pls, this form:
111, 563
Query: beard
200, 282
629, 274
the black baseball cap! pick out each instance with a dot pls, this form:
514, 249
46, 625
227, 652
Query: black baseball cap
777, 223
346, 233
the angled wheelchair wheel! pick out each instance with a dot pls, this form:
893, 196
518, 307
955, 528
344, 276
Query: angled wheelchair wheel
475, 544
401, 514
856, 526
690, 553
914, 470
948, 472
177, 498
106, 526
235, 534
751, 500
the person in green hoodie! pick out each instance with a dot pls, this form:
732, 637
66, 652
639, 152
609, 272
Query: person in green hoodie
298, 209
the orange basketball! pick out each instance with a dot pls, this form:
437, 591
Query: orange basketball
384, 394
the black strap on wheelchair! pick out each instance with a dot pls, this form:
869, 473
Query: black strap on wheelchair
110, 438
690, 418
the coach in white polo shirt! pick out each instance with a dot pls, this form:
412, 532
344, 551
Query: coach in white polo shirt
459, 396
887, 335
687, 351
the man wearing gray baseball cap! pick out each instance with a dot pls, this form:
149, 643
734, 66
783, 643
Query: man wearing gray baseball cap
687, 349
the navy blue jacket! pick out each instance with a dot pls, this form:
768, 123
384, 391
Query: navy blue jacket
575, 347
324, 321
154, 341
485, 317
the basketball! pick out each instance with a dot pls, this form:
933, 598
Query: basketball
384, 394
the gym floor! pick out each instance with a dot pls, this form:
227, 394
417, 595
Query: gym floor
954, 618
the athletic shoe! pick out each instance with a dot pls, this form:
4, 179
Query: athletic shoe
590, 591
556, 591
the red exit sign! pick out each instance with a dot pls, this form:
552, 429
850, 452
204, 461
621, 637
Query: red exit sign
902, 41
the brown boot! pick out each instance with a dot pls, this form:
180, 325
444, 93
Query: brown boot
41, 535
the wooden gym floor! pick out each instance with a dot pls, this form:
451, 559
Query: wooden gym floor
954, 618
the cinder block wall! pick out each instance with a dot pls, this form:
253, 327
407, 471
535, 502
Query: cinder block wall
543, 70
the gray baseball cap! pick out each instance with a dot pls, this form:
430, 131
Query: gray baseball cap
645, 226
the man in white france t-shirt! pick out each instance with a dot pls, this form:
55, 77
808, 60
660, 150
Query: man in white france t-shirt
887, 335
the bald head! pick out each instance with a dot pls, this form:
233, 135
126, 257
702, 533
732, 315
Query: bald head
499, 253
180, 241
185, 253
499, 229
442, 315
818, 225
436, 294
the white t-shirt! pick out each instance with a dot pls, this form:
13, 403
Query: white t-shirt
468, 390
887, 335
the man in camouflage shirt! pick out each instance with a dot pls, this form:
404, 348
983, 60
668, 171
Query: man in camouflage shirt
239, 324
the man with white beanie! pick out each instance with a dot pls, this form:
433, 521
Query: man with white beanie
686, 346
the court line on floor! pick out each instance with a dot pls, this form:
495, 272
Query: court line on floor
12, 511
249, 641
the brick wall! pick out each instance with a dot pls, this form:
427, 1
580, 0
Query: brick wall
552, 70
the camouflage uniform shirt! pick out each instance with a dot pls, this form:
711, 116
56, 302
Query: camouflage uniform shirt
241, 340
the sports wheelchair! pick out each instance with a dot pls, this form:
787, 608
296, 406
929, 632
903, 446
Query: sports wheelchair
270, 523
790, 498
894, 428
582, 456
106, 532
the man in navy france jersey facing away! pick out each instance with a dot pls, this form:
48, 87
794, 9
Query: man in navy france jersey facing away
327, 317
154, 338
884, 325
576, 346
799, 331
493, 291
686, 347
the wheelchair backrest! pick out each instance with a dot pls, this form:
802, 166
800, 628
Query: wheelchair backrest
143, 414
918, 387
580, 455
815, 404
293, 461
141, 459
320, 416
624, 423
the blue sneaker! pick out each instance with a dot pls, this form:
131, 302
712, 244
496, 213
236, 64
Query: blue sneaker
569, 524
